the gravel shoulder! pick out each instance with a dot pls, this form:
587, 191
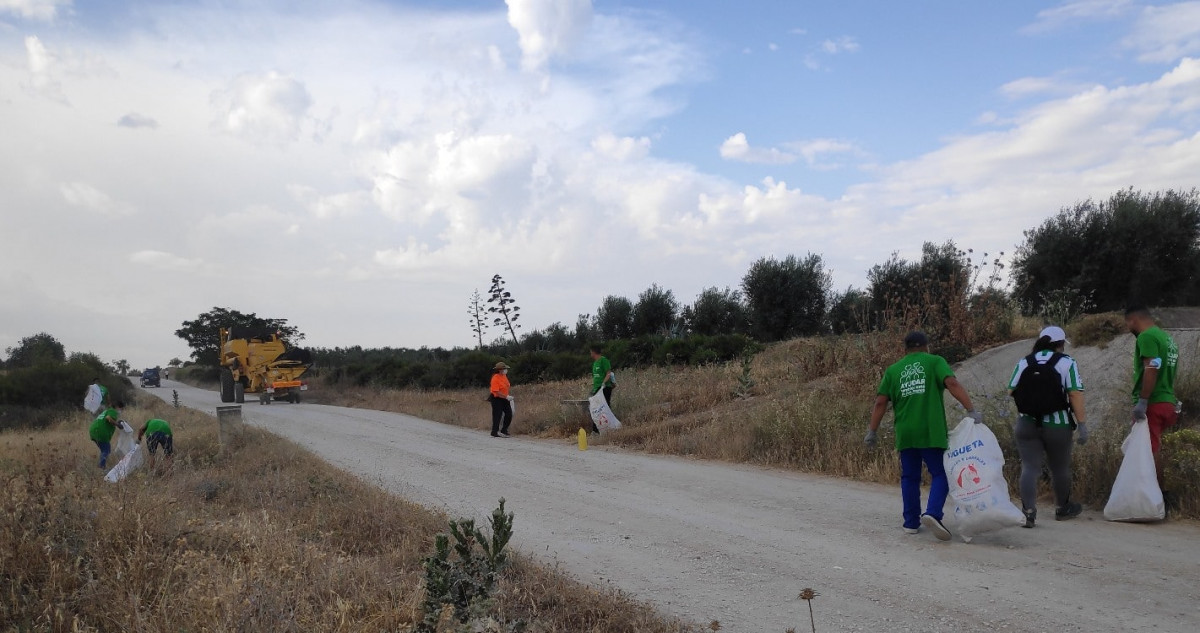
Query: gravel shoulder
711, 541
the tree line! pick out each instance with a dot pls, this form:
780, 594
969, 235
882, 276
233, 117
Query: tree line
1133, 247
40, 380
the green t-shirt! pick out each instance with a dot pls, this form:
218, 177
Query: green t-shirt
600, 371
101, 430
157, 426
915, 385
1157, 346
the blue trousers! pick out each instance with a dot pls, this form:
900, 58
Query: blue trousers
105, 449
910, 483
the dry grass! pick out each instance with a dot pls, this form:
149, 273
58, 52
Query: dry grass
807, 411
264, 537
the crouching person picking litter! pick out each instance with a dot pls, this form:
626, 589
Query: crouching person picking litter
914, 387
158, 433
102, 429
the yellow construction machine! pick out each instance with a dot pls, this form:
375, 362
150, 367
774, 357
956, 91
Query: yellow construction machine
258, 361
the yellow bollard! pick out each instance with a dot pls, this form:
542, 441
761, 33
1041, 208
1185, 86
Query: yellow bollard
582, 440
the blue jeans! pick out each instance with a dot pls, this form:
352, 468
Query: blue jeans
105, 449
910, 483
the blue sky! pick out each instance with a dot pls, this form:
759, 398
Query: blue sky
371, 163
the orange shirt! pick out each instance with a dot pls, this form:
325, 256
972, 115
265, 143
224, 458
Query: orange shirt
499, 385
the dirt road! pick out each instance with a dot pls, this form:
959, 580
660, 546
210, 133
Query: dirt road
708, 541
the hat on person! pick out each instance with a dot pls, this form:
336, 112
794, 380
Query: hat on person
916, 339
1054, 333
500, 365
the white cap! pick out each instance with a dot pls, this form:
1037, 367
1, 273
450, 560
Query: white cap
1054, 333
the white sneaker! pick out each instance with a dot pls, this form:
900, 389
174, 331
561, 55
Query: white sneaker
939, 530
503, 434
908, 530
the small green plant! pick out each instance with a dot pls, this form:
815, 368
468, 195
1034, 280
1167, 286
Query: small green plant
175, 398
463, 575
746, 382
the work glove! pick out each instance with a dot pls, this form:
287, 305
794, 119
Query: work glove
975, 415
1139, 410
871, 440
1081, 434
510, 398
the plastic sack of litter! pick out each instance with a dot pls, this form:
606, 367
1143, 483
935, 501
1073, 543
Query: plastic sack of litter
975, 467
123, 440
93, 399
602, 416
1135, 494
131, 462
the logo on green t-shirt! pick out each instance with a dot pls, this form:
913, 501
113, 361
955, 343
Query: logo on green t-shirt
912, 380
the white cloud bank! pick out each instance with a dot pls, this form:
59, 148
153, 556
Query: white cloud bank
439, 165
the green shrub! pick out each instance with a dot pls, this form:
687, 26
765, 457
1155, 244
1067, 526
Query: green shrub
57, 385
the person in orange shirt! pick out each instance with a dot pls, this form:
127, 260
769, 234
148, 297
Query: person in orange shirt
502, 412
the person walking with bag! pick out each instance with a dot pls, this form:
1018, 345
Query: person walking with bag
914, 387
1048, 392
1155, 363
501, 400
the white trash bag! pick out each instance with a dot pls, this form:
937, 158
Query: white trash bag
602, 416
131, 462
1135, 494
975, 467
123, 440
93, 399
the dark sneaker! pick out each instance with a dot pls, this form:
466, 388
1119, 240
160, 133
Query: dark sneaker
1030, 517
495, 435
936, 526
1069, 511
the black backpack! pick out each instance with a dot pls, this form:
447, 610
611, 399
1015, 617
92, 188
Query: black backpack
1040, 390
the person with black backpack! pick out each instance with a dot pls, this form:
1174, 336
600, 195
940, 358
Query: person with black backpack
1049, 395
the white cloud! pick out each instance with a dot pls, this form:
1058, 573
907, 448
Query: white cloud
843, 44
81, 194
133, 120
814, 150
163, 260
1073, 12
621, 148
43, 74
772, 47
44, 10
1166, 33
1041, 86
814, 59
547, 28
798, 31
738, 148
267, 108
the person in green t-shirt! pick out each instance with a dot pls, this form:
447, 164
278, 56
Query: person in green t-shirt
158, 433
603, 378
1155, 363
103, 428
914, 387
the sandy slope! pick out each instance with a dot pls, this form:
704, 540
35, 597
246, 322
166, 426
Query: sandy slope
1107, 373
737, 544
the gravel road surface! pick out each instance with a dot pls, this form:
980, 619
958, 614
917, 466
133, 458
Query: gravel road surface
711, 541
